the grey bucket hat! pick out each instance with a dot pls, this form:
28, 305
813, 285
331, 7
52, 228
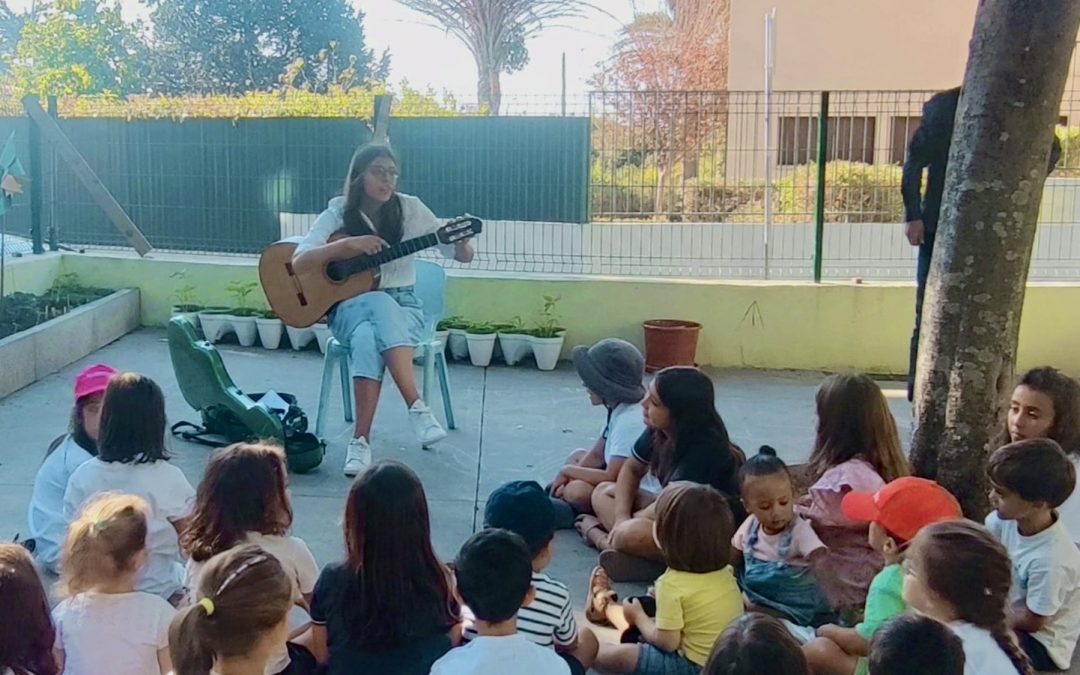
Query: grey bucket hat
613, 369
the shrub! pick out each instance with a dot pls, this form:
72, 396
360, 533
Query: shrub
854, 193
1070, 150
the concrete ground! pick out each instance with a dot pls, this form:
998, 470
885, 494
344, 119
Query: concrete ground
513, 423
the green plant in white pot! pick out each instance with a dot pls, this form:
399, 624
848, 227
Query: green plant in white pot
480, 338
242, 315
185, 302
270, 329
455, 339
514, 341
547, 336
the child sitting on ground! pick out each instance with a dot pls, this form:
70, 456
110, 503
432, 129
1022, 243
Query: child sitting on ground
696, 597
756, 644
1029, 480
240, 616
912, 644
48, 526
857, 447
774, 547
244, 499
896, 513
105, 625
958, 573
27, 634
522, 508
132, 459
612, 371
494, 578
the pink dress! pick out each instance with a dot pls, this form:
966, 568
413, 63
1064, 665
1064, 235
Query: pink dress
849, 564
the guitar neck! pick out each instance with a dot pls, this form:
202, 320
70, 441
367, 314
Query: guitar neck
345, 268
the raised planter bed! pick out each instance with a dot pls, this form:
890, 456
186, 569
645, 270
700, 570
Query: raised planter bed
29, 355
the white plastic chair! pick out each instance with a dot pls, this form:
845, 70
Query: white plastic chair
430, 354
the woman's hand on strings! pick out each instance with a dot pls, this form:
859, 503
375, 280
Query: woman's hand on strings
367, 244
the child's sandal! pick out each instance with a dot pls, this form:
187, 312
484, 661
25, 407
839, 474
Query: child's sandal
600, 597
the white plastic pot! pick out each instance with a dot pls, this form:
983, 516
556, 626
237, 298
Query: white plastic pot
480, 347
245, 329
299, 337
270, 331
547, 351
459, 346
442, 336
214, 325
515, 346
322, 334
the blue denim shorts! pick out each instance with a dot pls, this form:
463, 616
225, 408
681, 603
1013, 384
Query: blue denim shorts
374, 322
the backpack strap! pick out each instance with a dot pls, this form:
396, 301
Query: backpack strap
197, 434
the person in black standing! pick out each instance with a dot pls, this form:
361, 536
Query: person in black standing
929, 149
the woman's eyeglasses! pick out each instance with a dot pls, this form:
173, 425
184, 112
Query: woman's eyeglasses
383, 173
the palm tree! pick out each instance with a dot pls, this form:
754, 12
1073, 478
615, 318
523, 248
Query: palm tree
495, 32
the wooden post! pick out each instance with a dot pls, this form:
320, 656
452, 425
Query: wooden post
52, 133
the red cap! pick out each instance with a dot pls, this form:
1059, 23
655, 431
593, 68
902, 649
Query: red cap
93, 380
903, 507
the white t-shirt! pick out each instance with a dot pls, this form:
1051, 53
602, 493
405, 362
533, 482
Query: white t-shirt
625, 425
169, 494
485, 655
297, 561
416, 221
1069, 512
1046, 577
982, 654
48, 526
114, 633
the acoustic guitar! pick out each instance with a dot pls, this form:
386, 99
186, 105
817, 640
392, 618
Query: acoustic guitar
302, 299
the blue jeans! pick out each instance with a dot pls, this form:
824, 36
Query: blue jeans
375, 322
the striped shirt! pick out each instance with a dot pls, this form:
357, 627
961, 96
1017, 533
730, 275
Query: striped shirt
547, 621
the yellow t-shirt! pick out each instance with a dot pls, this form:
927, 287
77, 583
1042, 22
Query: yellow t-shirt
700, 606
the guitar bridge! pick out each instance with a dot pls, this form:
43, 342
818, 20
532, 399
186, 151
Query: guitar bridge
296, 283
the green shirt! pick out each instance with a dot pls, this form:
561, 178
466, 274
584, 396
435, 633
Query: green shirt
884, 600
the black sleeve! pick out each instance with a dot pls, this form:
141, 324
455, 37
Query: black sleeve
643, 448
1055, 154
917, 158
325, 588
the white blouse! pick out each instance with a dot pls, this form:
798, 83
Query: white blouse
416, 221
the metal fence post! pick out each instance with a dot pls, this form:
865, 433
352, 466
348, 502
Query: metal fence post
819, 210
36, 186
54, 232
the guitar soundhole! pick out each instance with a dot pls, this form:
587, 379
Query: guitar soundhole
334, 271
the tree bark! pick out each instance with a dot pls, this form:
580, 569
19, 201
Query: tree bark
1018, 62
489, 88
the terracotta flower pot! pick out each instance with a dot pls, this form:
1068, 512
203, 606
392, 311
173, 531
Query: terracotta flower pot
670, 342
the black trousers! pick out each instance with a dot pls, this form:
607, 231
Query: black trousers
926, 252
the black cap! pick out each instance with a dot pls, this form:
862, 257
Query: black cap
522, 507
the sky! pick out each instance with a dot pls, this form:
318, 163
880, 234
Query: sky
425, 55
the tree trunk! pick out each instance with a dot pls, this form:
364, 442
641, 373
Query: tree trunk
489, 88
1019, 58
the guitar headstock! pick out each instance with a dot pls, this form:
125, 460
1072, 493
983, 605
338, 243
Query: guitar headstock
459, 229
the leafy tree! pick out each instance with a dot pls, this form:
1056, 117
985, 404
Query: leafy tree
235, 46
78, 47
495, 31
668, 74
10, 26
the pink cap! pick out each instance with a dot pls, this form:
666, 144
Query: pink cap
93, 380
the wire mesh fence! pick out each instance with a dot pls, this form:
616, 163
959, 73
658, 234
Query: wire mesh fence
700, 184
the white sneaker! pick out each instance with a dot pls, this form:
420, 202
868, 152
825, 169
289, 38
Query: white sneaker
357, 456
427, 428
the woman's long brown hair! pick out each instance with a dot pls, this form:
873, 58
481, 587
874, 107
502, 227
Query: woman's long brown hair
968, 568
244, 489
400, 590
26, 634
854, 422
390, 223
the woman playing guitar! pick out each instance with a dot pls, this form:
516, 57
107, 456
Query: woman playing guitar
380, 328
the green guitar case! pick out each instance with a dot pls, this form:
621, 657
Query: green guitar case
227, 411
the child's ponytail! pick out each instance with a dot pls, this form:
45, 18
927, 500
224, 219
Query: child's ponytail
967, 567
243, 594
188, 646
103, 542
